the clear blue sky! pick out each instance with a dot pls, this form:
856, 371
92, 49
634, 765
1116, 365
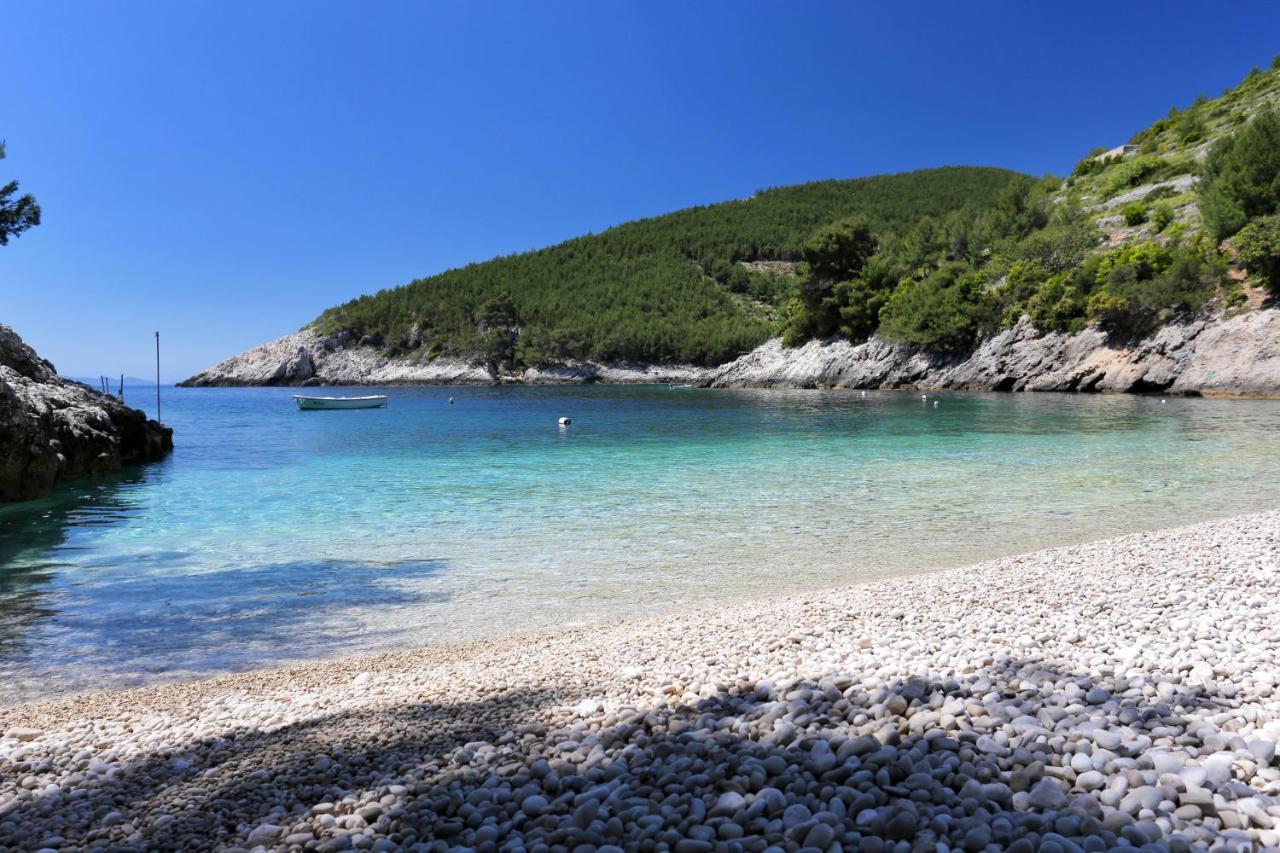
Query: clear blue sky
224, 171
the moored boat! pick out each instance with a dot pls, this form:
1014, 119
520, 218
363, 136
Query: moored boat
373, 401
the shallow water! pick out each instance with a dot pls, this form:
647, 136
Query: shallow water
273, 535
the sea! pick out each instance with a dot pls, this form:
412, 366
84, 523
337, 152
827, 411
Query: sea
275, 536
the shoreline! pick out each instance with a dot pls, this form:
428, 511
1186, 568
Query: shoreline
761, 596
903, 389
1208, 354
1123, 686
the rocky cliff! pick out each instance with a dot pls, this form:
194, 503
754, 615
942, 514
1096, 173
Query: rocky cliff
307, 358
1237, 355
52, 428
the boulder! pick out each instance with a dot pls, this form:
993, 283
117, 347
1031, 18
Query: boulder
53, 429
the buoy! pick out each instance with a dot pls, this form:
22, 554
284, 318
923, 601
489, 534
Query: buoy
924, 396
935, 404
864, 393
565, 422
450, 401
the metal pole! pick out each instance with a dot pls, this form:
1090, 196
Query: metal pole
158, 378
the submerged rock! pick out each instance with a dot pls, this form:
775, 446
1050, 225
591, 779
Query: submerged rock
52, 428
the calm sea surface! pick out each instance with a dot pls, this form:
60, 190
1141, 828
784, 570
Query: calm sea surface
273, 535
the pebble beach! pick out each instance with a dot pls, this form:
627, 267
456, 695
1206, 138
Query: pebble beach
1117, 694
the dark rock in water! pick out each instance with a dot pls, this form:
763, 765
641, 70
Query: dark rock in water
52, 428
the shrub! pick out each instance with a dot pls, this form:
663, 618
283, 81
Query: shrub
1135, 213
1259, 247
1090, 163
1136, 171
1162, 215
1021, 283
1063, 244
1242, 176
738, 280
1110, 311
941, 312
1058, 305
771, 288
1191, 127
1139, 287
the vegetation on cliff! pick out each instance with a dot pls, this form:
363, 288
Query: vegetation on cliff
1128, 242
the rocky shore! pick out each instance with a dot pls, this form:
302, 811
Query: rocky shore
1239, 355
1116, 694
1214, 355
307, 358
52, 429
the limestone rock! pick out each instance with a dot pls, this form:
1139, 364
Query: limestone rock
52, 428
1212, 355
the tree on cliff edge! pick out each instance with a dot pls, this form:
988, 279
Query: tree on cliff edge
16, 214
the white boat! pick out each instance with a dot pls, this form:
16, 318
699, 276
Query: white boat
373, 401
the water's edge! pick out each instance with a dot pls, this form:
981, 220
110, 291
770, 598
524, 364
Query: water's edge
1213, 354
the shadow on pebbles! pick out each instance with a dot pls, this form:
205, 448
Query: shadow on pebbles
1115, 694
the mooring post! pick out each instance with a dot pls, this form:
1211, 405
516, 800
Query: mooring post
158, 378
121, 387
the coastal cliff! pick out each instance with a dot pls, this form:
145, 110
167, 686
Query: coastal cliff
1213, 354
52, 429
307, 358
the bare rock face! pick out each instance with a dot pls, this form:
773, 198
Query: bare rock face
52, 429
1205, 355
620, 373
1239, 355
309, 358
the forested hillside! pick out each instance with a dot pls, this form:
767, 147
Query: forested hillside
671, 288
1186, 215
1181, 217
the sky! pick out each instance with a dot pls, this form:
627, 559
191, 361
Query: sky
223, 172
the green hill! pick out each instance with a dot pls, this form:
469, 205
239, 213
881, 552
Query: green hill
1183, 216
665, 289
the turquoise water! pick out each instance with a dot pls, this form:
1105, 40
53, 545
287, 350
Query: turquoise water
273, 535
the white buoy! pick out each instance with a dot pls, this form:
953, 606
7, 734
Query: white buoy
864, 393
924, 396
935, 404
565, 422
1164, 401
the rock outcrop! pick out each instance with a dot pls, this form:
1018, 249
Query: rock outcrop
1237, 355
308, 358
52, 428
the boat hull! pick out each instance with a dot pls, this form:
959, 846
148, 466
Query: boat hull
376, 401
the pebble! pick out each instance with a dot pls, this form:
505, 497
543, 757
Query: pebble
1085, 698
23, 733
